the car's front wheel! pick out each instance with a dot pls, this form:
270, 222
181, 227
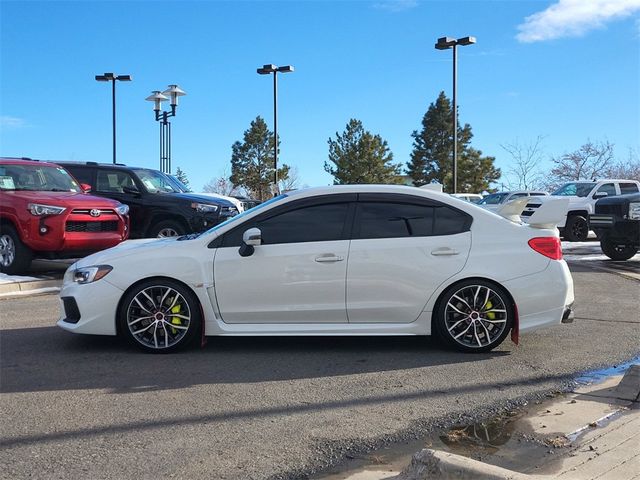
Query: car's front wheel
167, 228
474, 316
617, 251
160, 316
15, 256
576, 229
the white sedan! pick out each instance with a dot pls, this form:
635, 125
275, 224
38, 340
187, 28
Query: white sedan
340, 260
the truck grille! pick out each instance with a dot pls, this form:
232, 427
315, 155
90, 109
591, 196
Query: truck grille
109, 226
619, 209
85, 211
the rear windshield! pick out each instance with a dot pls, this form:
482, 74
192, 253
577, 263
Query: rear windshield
37, 178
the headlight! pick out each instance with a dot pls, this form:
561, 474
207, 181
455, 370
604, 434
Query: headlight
229, 212
634, 211
39, 210
123, 209
204, 208
84, 275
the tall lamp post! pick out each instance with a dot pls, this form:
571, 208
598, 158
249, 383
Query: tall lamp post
111, 77
446, 43
266, 70
172, 93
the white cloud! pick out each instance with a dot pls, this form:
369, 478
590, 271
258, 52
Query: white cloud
573, 18
396, 5
11, 122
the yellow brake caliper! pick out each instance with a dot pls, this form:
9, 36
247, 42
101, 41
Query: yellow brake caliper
175, 320
489, 306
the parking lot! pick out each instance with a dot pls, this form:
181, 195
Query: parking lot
92, 407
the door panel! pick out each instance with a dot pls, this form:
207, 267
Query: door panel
283, 283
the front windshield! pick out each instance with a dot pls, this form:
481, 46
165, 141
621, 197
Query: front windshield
178, 184
156, 182
493, 199
581, 189
246, 212
39, 178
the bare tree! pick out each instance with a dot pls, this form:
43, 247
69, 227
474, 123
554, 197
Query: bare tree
292, 182
627, 170
525, 173
591, 160
221, 185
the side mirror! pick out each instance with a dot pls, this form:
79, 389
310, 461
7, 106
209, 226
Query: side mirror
250, 239
131, 190
598, 195
86, 188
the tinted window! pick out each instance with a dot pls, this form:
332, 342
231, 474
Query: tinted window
317, 223
493, 199
113, 181
608, 188
628, 188
83, 175
518, 195
450, 221
538, 194
393, 220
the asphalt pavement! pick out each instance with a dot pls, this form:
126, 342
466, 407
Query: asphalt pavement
244, 408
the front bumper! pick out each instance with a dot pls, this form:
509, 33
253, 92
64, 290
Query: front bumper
95, 307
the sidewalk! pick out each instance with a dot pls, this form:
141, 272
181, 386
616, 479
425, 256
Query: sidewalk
596, 426
14, 286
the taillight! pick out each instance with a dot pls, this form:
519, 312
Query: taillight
547, 246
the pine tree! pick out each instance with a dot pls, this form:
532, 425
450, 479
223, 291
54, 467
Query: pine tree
252, 161
182, 176
432, 155
360, 157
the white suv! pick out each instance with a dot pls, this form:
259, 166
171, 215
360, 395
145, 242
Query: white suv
582, 195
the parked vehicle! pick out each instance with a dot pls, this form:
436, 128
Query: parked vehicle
158, 207
182, 187
616, 221
44, 212
582, 197
468, 197
339, 260
493, 201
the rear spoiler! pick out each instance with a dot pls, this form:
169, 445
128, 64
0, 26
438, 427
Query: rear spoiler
548, 215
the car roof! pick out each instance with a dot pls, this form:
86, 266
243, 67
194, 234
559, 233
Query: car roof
25, 161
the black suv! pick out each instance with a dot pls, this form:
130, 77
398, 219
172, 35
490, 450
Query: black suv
616, 221
156, 207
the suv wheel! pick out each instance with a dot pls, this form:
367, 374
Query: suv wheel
617, 251
167, 228
576, 229
15, 256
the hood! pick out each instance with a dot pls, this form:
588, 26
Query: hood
63, 199
194, 197
125, 249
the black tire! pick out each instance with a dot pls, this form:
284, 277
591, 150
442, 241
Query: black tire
15, 256
160, 316
459, 311
167, 228
617, 251
576, 229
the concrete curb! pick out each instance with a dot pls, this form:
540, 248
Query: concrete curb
433, 464
15, 289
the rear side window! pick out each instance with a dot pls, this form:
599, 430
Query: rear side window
628, 188
400, 220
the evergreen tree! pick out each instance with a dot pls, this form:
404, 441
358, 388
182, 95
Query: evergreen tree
357, 156
252, 161
432, 155
182, 176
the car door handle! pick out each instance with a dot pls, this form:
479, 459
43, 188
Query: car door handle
328, 258
439, 252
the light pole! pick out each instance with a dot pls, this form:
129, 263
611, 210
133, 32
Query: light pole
172, 93
266, 70
446, 43
111, 77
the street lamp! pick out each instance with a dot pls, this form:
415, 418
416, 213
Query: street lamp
172, 93
266, 70
446, 43
111, 77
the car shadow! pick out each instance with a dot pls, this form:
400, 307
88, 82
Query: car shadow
47, 359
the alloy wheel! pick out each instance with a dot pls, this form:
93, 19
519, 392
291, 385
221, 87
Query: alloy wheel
167, 232
158, 317
476, 316
7, 250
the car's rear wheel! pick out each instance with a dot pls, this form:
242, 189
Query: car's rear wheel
160, 316
15, 256
474, 316
167, 228
576, 229
617, 251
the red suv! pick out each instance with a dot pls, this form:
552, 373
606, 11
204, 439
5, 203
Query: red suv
45, 212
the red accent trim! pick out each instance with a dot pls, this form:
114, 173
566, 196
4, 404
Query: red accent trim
515, 329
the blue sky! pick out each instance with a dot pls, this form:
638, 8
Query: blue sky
567, 69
